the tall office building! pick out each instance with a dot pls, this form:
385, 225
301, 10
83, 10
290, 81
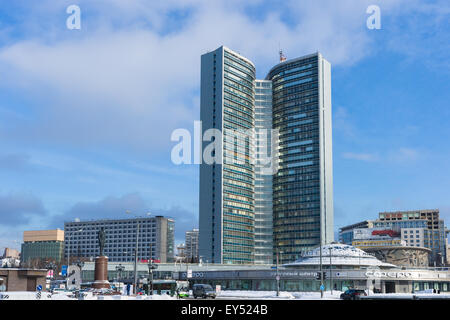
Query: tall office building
241, 207
156, 234
303, 185
227, 213
191, 246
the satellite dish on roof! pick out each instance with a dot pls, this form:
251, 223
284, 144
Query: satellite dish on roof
77, 220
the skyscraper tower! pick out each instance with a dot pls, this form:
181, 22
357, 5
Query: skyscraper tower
247, 214
227, 205
303, 185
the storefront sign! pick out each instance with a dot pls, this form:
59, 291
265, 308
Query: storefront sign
387, 274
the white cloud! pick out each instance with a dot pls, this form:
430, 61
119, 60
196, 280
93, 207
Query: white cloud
401, 155
405, 155
369, 157
125, 80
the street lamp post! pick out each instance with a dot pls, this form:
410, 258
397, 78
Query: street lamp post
321, 272
331, 274
119, 269
277, 274
151, 266
136, 258
136, 251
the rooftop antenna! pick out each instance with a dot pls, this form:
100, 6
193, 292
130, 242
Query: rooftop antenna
282, 56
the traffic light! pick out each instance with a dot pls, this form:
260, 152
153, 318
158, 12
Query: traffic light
318, 275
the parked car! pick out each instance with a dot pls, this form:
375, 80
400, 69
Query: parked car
353, 294
203, 291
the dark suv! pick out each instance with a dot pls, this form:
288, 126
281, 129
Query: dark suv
353, 294
203, 291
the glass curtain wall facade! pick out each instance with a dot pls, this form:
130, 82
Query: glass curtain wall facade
227, 192
247, 215
53, 250
303, 186
263, 173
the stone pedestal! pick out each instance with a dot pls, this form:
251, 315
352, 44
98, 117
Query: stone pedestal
101, 273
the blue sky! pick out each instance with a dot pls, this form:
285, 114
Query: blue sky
86, 115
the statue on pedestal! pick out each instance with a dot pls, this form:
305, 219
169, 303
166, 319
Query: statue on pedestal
101, 263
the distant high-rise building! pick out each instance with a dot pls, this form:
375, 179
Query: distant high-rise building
191, 246
155, 234
415, 228
434, 233
41, 245
246, 216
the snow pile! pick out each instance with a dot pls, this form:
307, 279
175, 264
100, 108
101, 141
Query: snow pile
408, 296
283, 295
25, 295
61, 296
161, 297
139, 297
316, 295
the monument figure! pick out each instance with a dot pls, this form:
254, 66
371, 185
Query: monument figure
101, 240
101, 263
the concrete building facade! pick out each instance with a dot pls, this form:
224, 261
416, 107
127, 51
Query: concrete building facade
23, 279
434, 232
191, 245
156, 234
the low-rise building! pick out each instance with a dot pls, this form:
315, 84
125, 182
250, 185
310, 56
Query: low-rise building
343, 266
346, 233
181, 253
15, 279
11, 253
448, 251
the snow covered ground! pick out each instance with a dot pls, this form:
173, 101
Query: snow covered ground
408, 296
238, 295
284, 295
23, 295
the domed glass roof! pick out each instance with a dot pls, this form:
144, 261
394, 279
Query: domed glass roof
341, 254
